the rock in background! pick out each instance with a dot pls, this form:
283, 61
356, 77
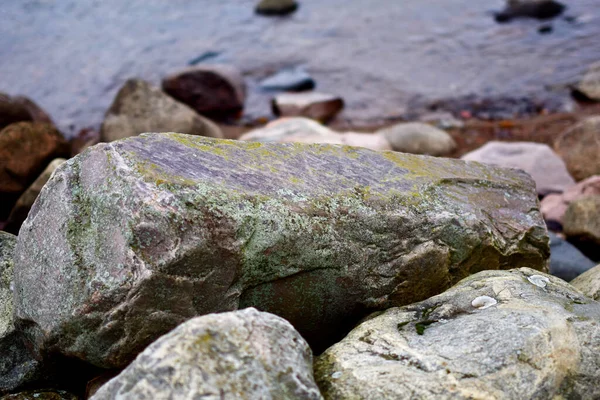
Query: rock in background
318, 106
581, 224
496, 335
139, 107
132, 238
238, 355
566, 261
418, 138
216, 91
579, 148
589, 86
26, 148
554, 206
538, 160
276, 7
589, 283
20, 109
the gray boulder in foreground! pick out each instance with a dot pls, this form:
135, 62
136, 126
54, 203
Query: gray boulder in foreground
237, 355
515, 334
131, 238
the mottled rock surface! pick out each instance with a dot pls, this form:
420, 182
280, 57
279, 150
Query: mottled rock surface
134, 237
418, 138
238, 355
512, 334
318, 106
20, 109
25, 150
216, 90
538, 160
17, 365
24, 203
579, 148
589, 283
41, 395
566, 261
140, 107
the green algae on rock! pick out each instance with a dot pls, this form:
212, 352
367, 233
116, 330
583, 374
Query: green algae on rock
237, 355
133, 237
495, 335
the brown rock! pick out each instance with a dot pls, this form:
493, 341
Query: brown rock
24, 203
20, 109
217, 91
581, 224
85, 138
319, 106
554, 206
139, 107
26, 148
579, 147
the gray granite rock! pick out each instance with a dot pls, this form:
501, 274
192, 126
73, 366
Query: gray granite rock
132, 238
237, 355
566, 261
418, 138
515, 334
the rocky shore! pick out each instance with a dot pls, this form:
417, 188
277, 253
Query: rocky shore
178, 252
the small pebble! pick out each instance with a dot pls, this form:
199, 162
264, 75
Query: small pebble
483, 302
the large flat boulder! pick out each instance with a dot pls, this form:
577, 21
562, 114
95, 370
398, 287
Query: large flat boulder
506, 335
131, 238
237, 355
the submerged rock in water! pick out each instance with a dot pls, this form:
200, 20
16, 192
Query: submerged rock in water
238, 355
495, 335
276, 7
131, 238
216, 90
139, 107
538, 160
293, 79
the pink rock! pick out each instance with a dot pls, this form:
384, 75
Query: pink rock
554, 206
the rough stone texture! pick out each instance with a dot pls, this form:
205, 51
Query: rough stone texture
367, 140
20, 109
538, 160
581, 224
41, 395
238, 355
579, 148
522, 341
319, 106
554, 206
25, 150
133, 237
589, 283
24, 203
17, 366
418, 138
589, 86
297, 129
566, 261
276, 7
215, 90
139, 107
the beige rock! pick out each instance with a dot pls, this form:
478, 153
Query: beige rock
579, 147
516, 334
589, 85
368, 140
215, 90
24, 203
418, 138
538, 160
296, 129
319, 106
554, 206
589, 283
139, 107
581, 224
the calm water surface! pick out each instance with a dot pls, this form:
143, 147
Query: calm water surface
71, 56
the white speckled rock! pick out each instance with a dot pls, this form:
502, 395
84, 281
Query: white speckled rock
541, 340
237, 355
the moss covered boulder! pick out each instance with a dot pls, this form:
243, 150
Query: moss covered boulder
496, 335
237, 355
131, 238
